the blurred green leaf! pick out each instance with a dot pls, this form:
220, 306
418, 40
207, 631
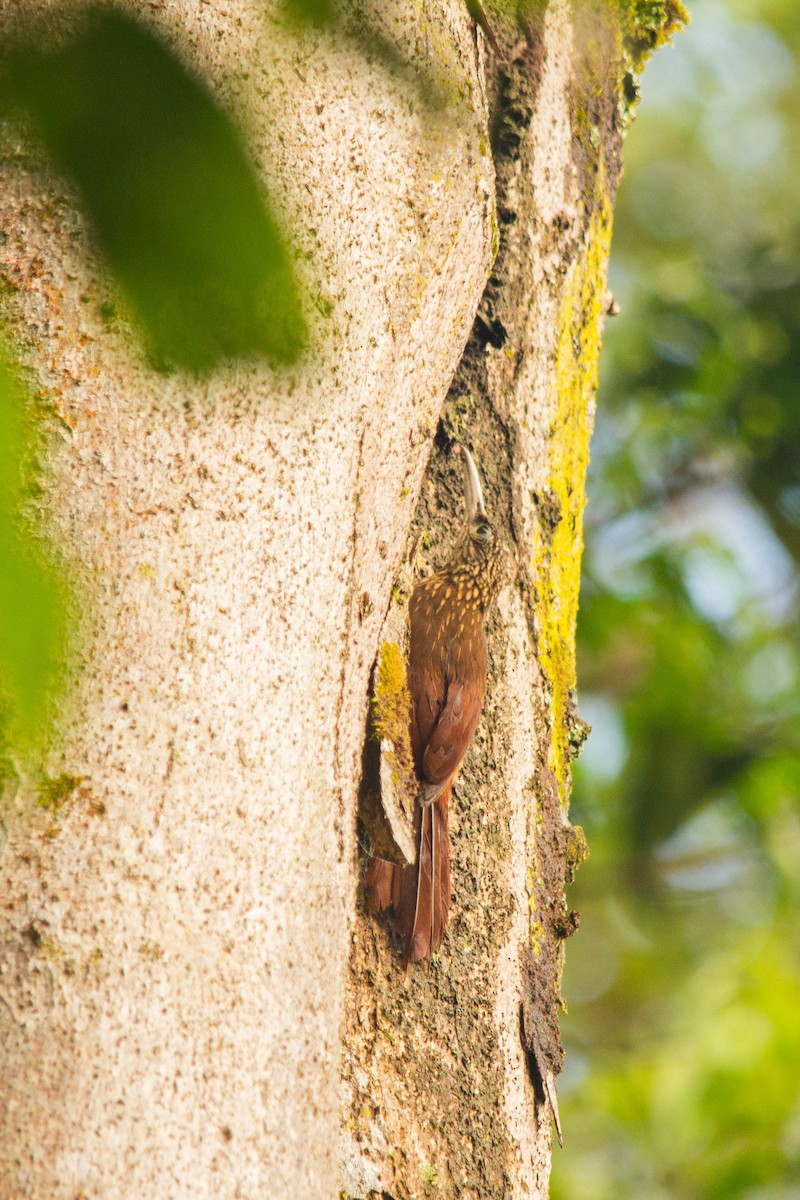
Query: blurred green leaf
175, 203
32, 599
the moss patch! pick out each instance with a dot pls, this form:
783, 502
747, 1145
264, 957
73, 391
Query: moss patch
645, 26
391, 718
558, 556
577, 850
648, 25
54, 793
391, 702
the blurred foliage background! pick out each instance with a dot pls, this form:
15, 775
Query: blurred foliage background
683, 986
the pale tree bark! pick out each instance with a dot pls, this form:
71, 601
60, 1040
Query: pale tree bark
192, 1000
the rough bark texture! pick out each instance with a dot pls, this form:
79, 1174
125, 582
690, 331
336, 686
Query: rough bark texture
175, 942
443, 1067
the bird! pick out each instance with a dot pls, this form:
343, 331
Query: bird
447, 665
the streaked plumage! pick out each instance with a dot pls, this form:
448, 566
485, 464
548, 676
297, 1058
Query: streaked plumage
447, 665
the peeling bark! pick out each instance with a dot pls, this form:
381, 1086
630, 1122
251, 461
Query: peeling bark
193, 1001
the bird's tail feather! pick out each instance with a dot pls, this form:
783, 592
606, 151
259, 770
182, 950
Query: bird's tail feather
419, 894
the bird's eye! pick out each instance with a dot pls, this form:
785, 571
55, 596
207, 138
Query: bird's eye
484, 531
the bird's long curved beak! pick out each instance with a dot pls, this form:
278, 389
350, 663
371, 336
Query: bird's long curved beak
473, 492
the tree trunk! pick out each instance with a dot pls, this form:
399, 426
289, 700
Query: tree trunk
193, 1001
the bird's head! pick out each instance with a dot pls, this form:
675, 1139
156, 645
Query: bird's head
479, 555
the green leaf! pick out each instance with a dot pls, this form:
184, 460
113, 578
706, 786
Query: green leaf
32, 596
174, 200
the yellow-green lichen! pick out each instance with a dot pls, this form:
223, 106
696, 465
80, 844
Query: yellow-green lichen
391, 702
557, 563
391, 716
401, 593
645, 26
648, 25
53, 793
429, 1175
577, 851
